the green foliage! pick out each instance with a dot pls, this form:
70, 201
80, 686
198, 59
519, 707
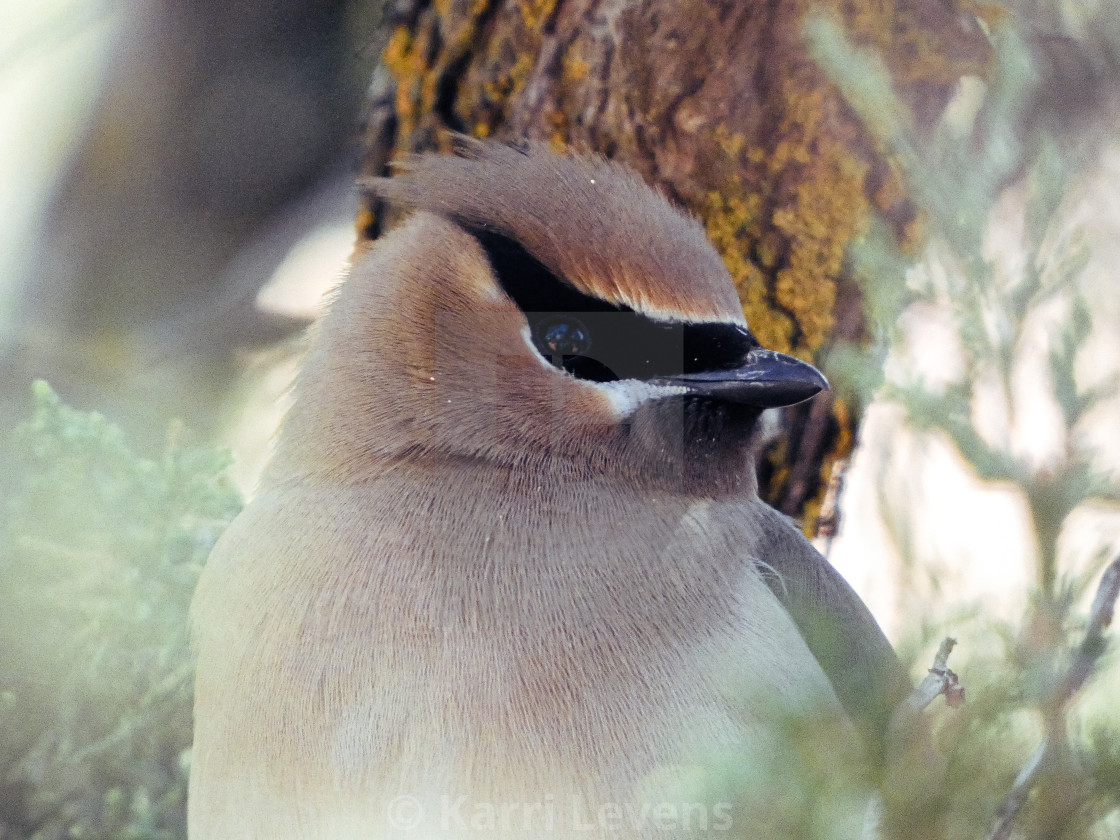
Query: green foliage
1019, 681
101, 554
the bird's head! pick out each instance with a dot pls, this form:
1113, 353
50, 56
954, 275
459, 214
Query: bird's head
538, 310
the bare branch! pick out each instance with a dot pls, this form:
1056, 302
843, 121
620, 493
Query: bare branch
1019, 792
1080, 669
1100, 617
908, 733
939, 680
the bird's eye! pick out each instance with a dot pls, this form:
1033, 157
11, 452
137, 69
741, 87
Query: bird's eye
562, 335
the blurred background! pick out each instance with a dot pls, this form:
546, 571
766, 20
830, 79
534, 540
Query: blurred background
161, 161
921, 197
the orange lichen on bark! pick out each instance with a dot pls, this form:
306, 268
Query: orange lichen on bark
536, 12
732, 220
808, 177
407, 66
558, 134
420, 59
804, 190
574, 66
503, 64
785, 223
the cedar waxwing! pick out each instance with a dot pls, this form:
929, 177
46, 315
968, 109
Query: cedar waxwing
507, 574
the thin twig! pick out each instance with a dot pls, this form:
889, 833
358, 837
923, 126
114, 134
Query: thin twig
1100, 617
939, 680
1084, 662
907, 730
1019, 792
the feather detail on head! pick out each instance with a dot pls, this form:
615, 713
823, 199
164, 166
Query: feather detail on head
593, 222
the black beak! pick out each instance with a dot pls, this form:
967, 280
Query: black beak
766, 379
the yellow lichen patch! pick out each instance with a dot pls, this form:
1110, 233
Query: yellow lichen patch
404, 62
809, 302
536, 12
459, 39
508, 84
519, 73
730, 143
574, 67
825, 215
843, 414
558, 133
454, 30
728, 218
398, 49
363, 222
774, 329
818, 205
809, 515
732, 224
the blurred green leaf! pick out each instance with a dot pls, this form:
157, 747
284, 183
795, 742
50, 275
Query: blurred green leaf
102, 553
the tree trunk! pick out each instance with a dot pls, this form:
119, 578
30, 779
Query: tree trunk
720, 106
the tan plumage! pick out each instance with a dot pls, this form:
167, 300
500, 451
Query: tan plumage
473, 577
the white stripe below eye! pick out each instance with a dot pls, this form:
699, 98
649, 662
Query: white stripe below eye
626, 395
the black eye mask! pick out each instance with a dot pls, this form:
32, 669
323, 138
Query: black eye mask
603, 342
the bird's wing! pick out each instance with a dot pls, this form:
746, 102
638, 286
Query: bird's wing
838, 628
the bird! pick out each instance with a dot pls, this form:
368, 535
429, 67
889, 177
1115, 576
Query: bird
507, 573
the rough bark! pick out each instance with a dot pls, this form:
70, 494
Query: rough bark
717, 103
